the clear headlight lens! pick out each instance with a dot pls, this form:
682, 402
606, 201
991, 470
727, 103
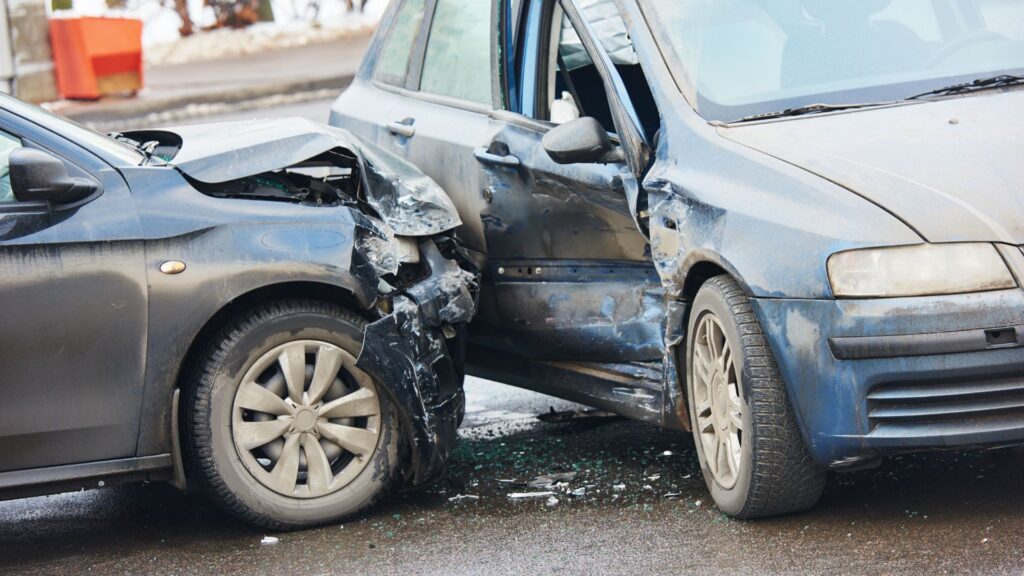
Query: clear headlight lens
922, 270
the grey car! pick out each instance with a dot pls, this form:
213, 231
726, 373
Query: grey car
792, 227
266, 312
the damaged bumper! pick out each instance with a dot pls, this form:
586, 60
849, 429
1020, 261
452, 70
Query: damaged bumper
870, 377
410, 350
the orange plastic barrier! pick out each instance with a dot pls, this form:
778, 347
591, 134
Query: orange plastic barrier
96, 56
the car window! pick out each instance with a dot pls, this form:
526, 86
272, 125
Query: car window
917, 16
1003, 17
393, 65
8, 144
458, 57
739, 58
576, 88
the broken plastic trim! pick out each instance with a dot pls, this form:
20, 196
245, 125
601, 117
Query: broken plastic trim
408, 351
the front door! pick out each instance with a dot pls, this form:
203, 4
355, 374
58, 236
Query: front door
570, 271
72, 317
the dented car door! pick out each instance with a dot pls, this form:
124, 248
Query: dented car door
571, 274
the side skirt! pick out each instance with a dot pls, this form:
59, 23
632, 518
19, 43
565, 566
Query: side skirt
634, 390
74, 477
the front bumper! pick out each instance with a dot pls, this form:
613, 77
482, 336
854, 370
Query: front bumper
869, 377
408, 352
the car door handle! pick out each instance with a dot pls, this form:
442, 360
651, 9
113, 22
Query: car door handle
402, 129
485, 157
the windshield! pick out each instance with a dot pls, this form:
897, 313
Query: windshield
104, 146
738, 58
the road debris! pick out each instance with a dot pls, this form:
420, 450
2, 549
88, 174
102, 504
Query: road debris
464, 497
269, 540
550, 481
552, 502
588, 415
527, 495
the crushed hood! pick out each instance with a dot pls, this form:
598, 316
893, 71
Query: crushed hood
951, 169
410, 202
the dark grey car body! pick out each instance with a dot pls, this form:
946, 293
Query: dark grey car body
591, 268
97, 333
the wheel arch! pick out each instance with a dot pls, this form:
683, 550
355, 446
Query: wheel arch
303, 290
297, 290
699, 268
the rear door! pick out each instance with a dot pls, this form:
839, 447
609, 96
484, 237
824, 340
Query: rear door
426, 94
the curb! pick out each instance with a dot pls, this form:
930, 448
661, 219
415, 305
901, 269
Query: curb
108, 111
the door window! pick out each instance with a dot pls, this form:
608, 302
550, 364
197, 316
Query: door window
458, 56
393, 66
8, 144
575, 88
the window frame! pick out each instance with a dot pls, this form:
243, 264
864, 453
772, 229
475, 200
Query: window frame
411, 87
389, 27
628, 131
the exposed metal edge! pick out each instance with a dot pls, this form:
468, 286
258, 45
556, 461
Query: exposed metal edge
633, 402
78, 472
178, 479
941, 343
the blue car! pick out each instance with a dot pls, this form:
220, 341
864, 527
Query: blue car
791, 227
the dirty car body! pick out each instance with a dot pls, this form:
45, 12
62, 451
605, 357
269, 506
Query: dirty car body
107, 300
872, 223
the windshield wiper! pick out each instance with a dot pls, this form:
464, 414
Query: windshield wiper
808, 109
147, 149
973, 86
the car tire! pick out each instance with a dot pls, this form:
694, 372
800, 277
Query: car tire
331, 458
753, 456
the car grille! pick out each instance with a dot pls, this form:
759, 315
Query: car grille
947, 407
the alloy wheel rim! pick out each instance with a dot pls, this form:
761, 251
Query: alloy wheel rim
716, 391
305, 420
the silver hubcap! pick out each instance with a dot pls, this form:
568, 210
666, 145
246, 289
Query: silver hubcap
305, 420
716, 393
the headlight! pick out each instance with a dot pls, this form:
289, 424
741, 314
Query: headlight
922, 270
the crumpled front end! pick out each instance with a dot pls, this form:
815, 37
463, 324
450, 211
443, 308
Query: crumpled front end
414, 348
407, 269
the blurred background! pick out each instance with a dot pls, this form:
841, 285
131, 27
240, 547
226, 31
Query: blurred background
116, 60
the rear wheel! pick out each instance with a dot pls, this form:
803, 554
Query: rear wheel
753, 457
283, 430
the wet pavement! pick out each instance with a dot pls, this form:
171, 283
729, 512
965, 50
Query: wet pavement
635, 504
643, 509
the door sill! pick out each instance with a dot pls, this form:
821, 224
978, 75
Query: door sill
72, 477
634, 389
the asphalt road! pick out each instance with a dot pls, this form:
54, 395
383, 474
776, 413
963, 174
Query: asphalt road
643, 510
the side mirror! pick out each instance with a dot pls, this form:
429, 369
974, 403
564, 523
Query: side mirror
37, 176
582, 141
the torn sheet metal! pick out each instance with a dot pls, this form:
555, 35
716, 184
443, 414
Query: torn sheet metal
409, 350
404, 258
407, 200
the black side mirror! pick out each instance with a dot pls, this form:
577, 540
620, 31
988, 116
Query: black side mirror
37, 176
582, 141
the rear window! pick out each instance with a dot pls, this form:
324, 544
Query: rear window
458, 57
393, 65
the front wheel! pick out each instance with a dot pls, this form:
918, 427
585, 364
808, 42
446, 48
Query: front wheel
282, 429
753, 457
